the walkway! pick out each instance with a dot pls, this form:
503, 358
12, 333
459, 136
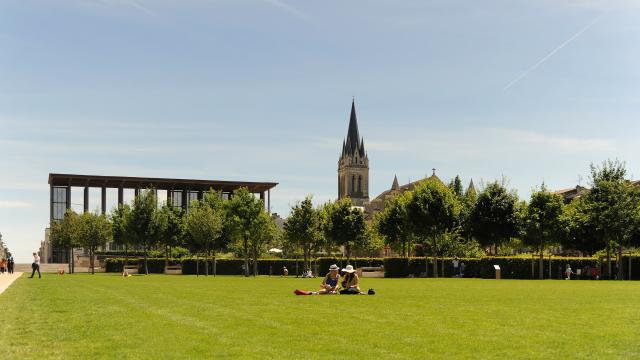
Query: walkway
7, 279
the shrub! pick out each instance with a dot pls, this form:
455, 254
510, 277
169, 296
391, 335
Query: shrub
511, 267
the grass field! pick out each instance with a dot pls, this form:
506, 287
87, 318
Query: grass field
106, 316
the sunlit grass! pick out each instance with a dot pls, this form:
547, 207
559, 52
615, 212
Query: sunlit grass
107, 316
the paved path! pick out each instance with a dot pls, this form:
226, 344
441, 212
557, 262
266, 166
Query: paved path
7, 279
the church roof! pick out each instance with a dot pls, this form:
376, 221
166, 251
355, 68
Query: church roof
395, 185
353, 142
471, 187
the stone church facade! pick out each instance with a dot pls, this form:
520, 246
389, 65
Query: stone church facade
353, 173
353, 165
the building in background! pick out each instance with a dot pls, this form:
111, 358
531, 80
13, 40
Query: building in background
353, 165
180, 192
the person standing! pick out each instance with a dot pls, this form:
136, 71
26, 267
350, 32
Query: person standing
11, 264
456, 267
568, 272
35, 266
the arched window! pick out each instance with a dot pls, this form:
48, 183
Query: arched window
360, 184
353, 184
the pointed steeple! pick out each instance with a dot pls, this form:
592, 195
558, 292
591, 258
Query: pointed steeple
353, 141
471, 189
395, 185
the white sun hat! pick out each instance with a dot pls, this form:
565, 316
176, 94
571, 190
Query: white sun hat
349, 269
334, 267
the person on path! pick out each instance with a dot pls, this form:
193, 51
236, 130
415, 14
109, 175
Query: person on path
35, 266
11, 264
3, 265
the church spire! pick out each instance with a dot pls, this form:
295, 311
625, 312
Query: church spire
395, 185
353, 141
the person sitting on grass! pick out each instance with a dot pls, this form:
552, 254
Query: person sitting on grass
329, 285
350, 282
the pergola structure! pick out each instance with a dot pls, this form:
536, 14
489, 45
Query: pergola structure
180, 192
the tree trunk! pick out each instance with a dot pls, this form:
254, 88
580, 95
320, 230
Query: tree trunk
541, 269
146, 255
608, 260
435, 257
206, 260
92, 259
73, 262
246, 257
166, 257
197, 266
255, 261
214, 264
404, 249
126, 258
70, 252
304, 253
619, 262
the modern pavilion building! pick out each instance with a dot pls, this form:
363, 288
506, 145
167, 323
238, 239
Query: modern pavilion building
180, 192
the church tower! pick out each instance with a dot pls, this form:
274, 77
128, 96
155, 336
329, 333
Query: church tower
353, 166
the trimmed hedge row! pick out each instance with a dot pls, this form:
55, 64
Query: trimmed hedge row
511, 267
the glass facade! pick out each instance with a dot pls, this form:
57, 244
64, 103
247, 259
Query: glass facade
59, 202
193, 195
175, 198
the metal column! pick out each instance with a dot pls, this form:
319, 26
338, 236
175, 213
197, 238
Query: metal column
86, 199
68, 197
104, 200
51, 204
120, 196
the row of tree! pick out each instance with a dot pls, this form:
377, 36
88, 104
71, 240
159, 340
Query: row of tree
444, 219
433, 218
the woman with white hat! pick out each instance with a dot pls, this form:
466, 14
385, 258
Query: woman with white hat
329, 284
350, 282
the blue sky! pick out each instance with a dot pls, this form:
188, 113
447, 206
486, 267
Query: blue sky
261, 90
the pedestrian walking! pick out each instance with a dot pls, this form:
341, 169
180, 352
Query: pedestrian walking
11, 264
456, 267
568, 272
35, 266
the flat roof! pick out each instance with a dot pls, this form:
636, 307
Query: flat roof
129, 182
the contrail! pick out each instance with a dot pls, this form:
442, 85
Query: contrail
541, 61
139, 6
291, 10
132, 3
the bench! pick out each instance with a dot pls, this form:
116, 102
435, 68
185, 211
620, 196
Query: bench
173, 270
131, 269
371, 271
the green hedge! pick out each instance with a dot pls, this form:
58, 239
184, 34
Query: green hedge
511, 267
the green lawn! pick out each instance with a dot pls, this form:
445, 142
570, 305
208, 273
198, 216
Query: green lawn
106, 316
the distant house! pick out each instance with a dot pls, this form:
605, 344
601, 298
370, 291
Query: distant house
572, 193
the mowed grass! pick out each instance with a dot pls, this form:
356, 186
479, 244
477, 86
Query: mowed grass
151, 317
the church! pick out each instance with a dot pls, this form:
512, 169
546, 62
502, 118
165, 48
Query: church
353, 173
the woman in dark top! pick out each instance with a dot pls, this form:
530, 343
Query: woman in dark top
350, 282
329, 284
